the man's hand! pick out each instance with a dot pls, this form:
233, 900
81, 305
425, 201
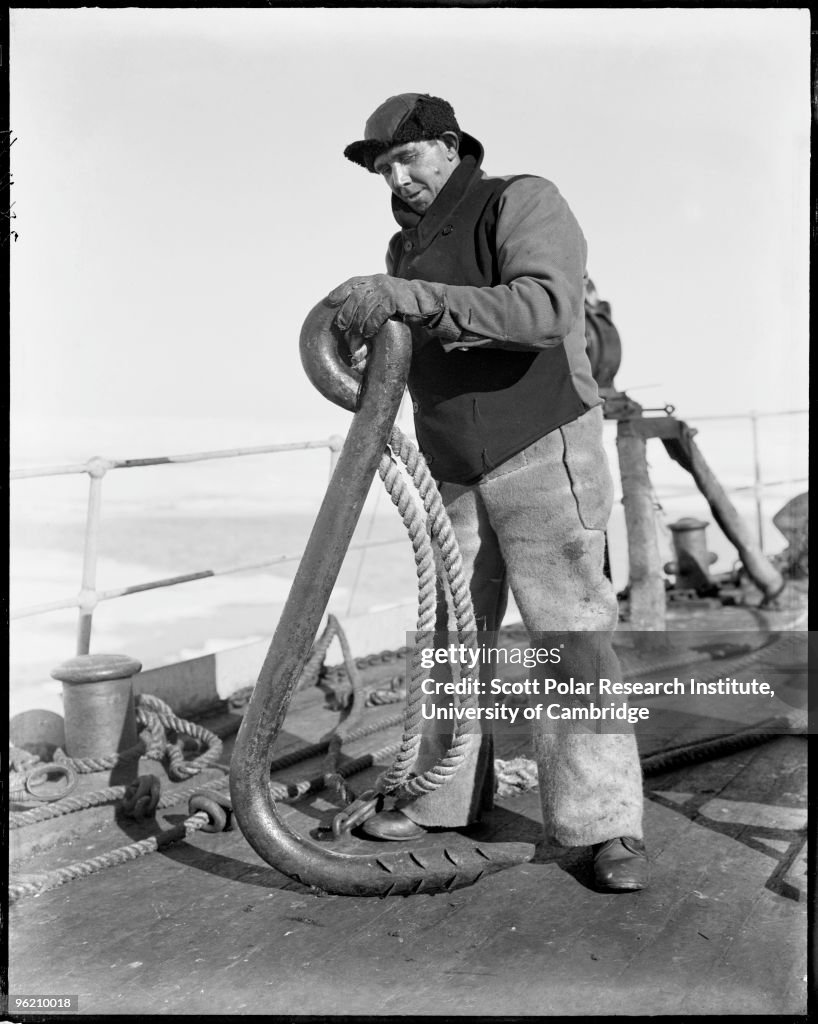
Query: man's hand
368, 302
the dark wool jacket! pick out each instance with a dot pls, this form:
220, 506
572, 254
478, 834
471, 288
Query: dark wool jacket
505, 362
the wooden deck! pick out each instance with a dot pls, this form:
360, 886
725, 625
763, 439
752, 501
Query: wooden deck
207, 927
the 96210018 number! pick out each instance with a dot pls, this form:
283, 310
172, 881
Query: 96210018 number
38, 1002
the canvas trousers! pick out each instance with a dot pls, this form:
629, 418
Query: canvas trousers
536, 525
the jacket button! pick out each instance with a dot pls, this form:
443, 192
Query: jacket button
448, 229
408, 246
415, 407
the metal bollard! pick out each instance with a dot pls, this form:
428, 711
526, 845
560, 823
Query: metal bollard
691, 567
98, 703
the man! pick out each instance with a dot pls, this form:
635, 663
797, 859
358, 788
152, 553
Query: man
489, 274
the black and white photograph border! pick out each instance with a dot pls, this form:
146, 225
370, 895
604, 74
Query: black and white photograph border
408, 512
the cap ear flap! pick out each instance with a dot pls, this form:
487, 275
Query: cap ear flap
430, 118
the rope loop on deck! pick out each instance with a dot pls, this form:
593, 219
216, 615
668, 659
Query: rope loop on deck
163, 736
151, 709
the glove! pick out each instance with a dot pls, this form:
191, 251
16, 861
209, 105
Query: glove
368, 302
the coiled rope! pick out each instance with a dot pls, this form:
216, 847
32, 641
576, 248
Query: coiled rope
422, 530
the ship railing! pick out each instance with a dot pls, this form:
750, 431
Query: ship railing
98, 467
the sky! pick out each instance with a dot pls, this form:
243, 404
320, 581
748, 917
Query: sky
182, 200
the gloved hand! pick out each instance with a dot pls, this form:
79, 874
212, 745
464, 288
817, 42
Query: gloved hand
368, 302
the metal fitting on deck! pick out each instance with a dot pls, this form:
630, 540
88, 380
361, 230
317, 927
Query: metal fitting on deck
98, 703
691, 567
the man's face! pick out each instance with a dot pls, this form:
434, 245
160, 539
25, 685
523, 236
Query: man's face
417, 171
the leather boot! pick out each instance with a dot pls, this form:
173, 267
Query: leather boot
621, 865
393, 826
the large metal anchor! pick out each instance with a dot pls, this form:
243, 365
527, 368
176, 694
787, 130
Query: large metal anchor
356, 867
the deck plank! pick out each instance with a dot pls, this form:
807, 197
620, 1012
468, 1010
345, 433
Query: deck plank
723, 869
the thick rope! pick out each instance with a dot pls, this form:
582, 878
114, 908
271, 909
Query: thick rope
415, 524
33, 885
421, 530
396, 779
69, 804
156, 718
88, 765
178, 768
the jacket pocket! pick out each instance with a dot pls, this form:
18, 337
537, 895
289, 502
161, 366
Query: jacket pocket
588, 472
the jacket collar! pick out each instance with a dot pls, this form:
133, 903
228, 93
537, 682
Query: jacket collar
429, 223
